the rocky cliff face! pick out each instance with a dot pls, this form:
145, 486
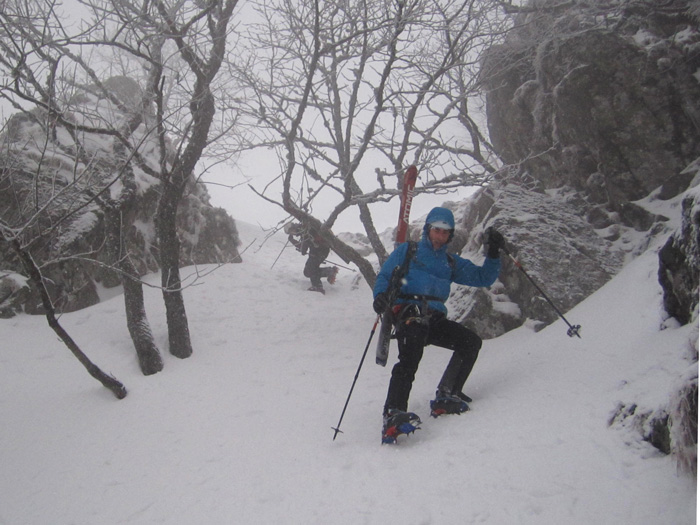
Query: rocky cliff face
679, 263
44, 187
595, 108
602, 97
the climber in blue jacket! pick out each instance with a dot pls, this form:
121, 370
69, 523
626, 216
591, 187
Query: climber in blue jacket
420, 317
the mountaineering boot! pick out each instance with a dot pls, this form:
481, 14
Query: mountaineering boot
397, 422
463, 396
445, 403
317, 289
334, 273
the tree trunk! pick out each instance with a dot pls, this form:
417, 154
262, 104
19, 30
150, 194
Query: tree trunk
345, 252
117, 225
350, 254
374, 240
117, 388
147, 351
175, 174
169, 245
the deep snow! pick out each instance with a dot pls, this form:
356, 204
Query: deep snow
241, 431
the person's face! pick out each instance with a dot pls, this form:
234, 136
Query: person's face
438, 237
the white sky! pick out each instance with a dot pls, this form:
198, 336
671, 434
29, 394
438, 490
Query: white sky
244, 205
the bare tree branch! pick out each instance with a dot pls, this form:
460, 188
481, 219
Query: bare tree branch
353, 93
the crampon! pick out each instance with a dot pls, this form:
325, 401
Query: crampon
447, 404
397, 423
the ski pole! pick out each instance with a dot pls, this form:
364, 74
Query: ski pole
574, 330
280, 254
357, 374
340, 265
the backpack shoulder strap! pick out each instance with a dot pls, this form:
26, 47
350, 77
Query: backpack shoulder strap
410, 254
453, 265
411, 251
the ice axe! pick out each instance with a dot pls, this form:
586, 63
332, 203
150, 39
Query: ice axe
339, 265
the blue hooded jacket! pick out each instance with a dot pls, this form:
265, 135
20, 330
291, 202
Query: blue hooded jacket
430, 272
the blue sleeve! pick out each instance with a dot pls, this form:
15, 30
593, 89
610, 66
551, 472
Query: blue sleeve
395, 259
469, 274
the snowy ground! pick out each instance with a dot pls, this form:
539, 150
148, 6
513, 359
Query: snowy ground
241, 431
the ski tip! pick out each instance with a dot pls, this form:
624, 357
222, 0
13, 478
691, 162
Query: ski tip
411, 174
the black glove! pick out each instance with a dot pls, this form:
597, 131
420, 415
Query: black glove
495, 242
381, 303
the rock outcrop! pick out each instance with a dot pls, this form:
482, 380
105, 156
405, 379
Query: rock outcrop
595, 108
46, 187
679, 264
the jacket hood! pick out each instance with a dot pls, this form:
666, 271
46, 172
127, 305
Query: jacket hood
439, 214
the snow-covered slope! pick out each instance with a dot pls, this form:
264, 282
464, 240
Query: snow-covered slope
241, 431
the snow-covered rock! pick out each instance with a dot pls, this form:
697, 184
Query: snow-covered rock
51, 196
595, 108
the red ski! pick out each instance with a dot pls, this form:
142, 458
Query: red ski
409, 184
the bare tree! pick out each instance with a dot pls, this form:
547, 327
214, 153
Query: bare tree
109, 382
175, 50
52, 176
87, 142
351, 93
182, 46
44, 200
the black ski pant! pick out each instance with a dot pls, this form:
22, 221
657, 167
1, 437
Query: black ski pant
313, 269
413, 335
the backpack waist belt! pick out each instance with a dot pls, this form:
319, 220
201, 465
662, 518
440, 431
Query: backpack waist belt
421, 298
